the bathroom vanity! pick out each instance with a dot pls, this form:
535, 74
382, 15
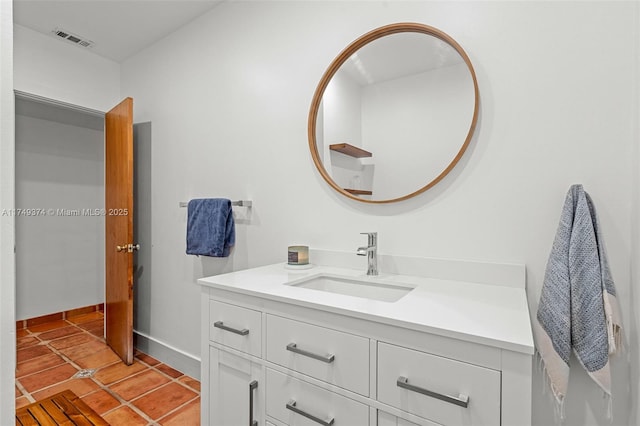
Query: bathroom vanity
427, 342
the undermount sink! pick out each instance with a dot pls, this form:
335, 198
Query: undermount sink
368, 288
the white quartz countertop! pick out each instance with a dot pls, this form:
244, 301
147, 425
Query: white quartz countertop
492, 315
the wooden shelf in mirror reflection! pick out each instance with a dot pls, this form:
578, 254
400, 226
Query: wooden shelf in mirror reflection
358, 191
350, 150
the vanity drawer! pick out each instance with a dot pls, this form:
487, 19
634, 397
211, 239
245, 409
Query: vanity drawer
236, 327
295, 402
434, 387
338, 358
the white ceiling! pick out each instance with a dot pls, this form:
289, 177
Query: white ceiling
118, 28
399, 55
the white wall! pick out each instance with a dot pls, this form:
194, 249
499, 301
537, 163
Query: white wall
229, 94
634, 341
53, 69
7, 258
342, 123
59, 256
342, 108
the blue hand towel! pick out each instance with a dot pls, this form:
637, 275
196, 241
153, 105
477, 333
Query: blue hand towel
578, 310
210, 227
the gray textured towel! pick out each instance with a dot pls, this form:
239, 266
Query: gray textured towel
578, 309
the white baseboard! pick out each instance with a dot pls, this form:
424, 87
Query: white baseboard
182, 361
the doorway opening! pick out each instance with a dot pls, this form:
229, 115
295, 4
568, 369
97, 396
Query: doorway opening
59, 187
68, 168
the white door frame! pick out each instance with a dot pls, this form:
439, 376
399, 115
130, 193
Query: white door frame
7, 223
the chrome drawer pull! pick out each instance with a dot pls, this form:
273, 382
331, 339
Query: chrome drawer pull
252, 386
462, 400
291, 405
329, 358
220, 324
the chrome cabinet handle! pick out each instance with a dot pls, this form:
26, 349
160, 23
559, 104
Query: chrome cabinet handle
291, 405
252, 386
220, 325
462, 400
329, 358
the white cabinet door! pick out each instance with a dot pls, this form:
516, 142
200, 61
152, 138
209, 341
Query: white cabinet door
236, 396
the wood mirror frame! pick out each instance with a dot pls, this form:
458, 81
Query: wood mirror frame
342, 58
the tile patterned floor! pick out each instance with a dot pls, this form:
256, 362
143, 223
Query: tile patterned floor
147, 392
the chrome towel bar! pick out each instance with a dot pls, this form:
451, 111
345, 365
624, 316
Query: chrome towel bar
239, 203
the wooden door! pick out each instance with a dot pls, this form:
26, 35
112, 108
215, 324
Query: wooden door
119, 229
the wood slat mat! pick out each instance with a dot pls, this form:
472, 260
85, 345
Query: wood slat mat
64, 408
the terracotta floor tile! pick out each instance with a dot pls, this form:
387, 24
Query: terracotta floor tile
70, 341
38, 364
79, 319
59, 332
48, 377
139, 384
25, 341
101, 401
171, 372
77, 352
159, 402
31, 352
191, 382
94, 327
43, 373
99, 323
187, 415
98, 332
115, 372
98, 359
147, 359
48, 326
22, 401
80, 387
124, 416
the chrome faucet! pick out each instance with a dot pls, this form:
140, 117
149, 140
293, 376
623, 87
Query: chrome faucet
371, 251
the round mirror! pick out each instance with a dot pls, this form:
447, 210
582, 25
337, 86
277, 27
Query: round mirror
393, 113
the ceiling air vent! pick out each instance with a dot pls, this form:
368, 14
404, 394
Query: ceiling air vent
72, 38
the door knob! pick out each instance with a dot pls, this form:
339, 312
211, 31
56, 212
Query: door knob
129, 248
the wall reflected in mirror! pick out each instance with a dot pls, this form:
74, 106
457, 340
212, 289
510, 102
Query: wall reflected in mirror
408, 100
